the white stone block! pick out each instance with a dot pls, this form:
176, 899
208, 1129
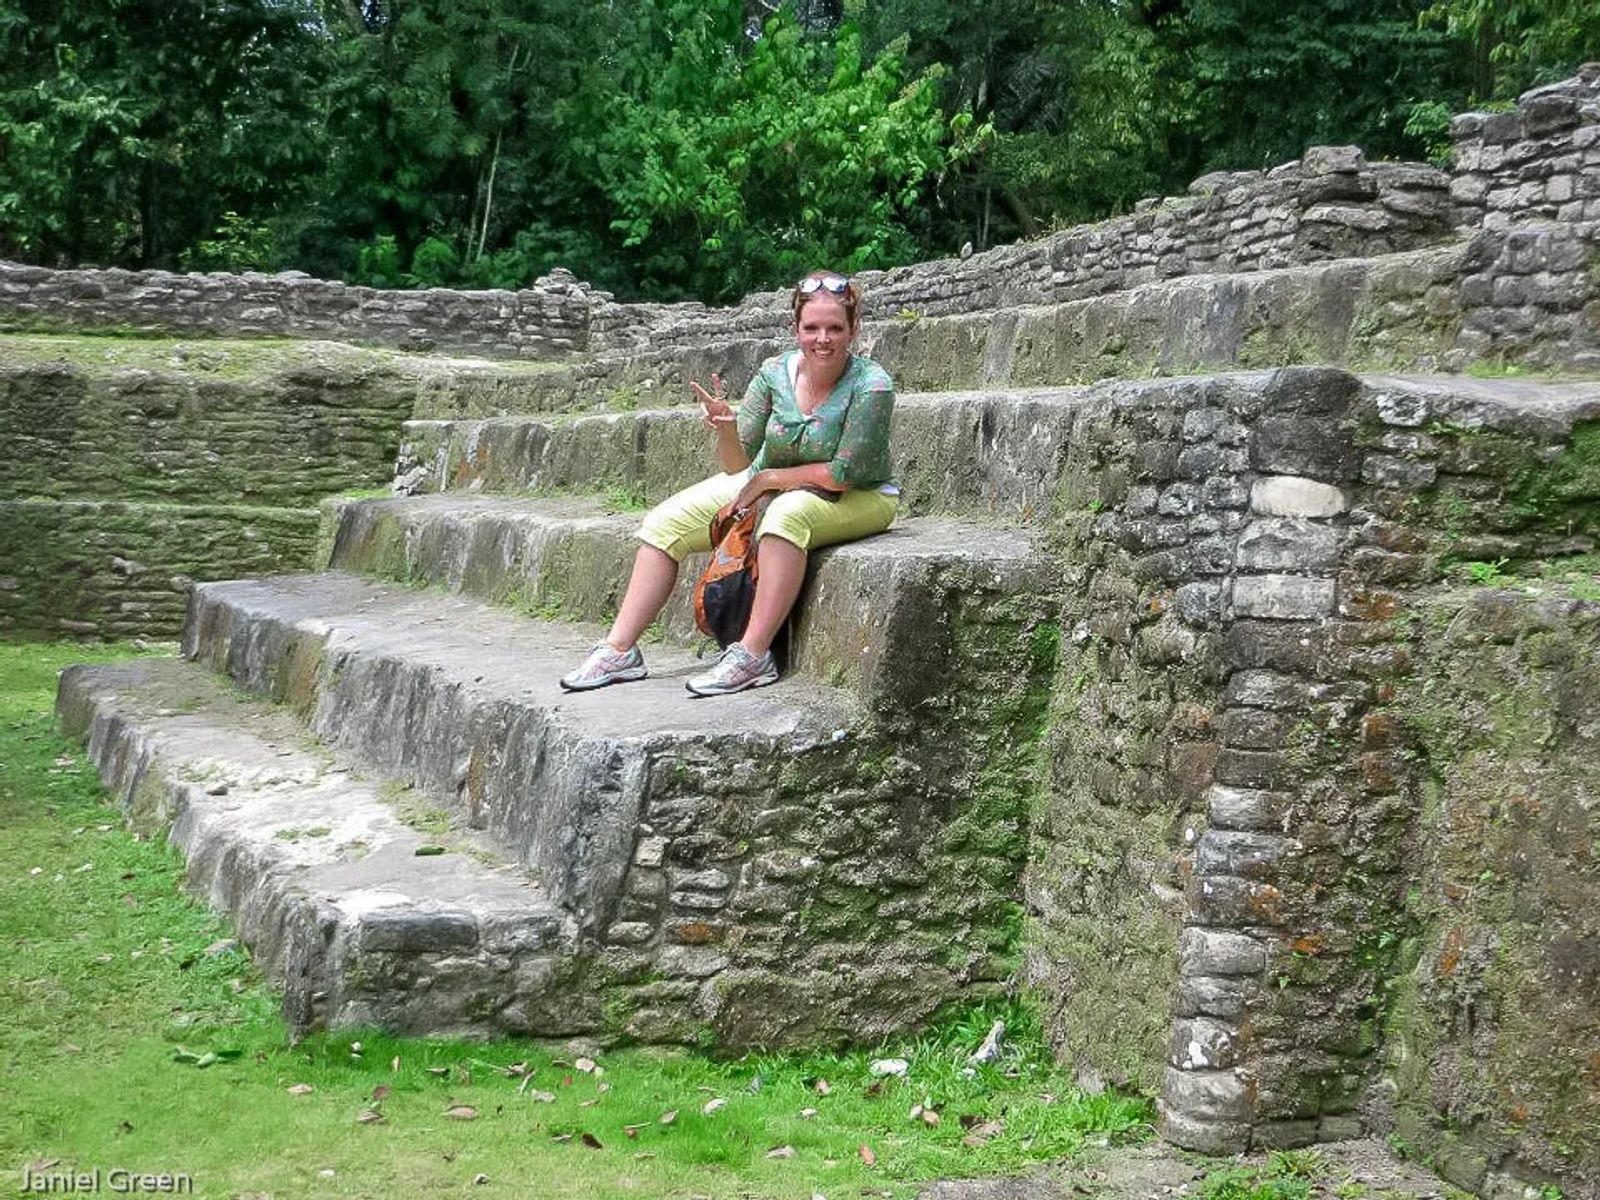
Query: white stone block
1295, 496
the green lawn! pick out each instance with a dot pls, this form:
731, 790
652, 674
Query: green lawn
115, 995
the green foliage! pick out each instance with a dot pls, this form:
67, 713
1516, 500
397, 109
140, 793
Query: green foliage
725, 172
664, 148
1515, 44
1286, 1175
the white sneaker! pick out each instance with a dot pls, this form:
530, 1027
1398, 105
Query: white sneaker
736, 670
605, 666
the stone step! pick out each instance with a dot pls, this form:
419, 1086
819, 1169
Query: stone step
462, 701
957, 453
319, 873
1398, 311
1011, 454
878, 616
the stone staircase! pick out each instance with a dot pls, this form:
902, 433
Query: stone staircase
1153, 703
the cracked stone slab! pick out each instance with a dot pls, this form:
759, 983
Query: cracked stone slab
462, 700
874, 617
319, 874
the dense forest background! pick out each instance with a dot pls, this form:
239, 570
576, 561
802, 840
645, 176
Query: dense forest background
692, 148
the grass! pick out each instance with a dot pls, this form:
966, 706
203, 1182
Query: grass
135, 1034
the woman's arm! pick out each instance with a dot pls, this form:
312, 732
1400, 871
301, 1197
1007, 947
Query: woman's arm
786, 479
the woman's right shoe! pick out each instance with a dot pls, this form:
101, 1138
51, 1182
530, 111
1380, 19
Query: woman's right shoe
604, 666
736, 670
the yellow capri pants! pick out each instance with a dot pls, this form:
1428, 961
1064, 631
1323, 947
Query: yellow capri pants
681, 524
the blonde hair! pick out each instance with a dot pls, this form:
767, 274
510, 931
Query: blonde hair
850, 297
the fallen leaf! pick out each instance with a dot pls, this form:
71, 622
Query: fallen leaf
542, 1097
867, 1156
586, 1065
712, 1105
461, 1112
379, 1092
394, 1063
480, 1177
807, 1113
929, 1117
43, 1164
592, 1142
518, 1070
301, 1089
822, 1087
873, 1089
369, 1116
781, 1152
668, 1117
916, 1111
643, 1154
438, 1072
561, 1137
587, 1103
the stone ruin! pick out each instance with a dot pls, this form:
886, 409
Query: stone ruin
1229, 684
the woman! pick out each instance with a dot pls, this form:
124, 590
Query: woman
814, 419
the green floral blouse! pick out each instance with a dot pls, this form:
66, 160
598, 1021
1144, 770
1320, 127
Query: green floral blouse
849, 430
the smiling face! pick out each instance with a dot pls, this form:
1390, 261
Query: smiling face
823, 331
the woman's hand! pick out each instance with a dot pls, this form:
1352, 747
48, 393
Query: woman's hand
716, 412
754, 486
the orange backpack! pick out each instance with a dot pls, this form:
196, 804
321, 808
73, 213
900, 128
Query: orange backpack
726, 589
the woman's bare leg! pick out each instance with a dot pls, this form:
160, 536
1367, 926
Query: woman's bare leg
781, 571
654, 573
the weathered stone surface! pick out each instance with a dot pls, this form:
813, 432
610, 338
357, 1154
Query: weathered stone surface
1296, 496
877, 615
1282, 597
318, 873
1219, 952
385, 675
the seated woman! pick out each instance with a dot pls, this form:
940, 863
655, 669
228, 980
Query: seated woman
813, 418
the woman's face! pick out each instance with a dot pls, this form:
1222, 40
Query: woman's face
823, 331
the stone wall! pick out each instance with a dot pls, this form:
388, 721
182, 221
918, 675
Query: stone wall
1537, 164
1494, 1030
1223, 860
547, 321
1530, 178
127, 472
1329, 204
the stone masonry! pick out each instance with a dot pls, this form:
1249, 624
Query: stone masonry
1252, 709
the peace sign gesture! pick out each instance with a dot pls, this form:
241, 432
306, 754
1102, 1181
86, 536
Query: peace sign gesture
715, 409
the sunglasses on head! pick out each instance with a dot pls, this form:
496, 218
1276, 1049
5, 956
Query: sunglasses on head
837, 284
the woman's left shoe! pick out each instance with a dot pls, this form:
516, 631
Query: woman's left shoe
606, 666
736, 670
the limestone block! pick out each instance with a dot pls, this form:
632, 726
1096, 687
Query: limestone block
1246, 808
1222, 996
1204, 1137
1249, 855
1219, 1096
1219, 952
1385, 470
1280, 597
1329, 160
1203, 1043
1296, 496
1287, 544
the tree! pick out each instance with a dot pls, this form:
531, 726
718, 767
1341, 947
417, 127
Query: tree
129, 127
